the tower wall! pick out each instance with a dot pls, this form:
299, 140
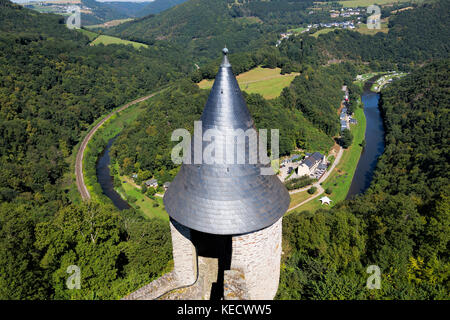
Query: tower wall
184, 254
255, 263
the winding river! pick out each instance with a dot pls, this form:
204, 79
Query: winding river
105, 179
374, 137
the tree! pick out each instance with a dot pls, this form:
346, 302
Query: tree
346, 138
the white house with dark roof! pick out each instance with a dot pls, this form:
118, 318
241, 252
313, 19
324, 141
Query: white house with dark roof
152, 183
310, 164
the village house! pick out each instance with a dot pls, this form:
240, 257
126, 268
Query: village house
310, 164
152, 183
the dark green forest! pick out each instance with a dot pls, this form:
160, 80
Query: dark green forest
401, 224
54, 86
241, 25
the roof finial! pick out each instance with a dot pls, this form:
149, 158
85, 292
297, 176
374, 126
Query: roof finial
225, 62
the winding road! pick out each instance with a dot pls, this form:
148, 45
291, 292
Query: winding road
79, 160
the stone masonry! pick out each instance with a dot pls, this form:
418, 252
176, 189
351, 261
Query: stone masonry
255, 261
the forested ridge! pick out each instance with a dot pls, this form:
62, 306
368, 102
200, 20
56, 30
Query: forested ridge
203, 27
53, 86
415, 36
401, 224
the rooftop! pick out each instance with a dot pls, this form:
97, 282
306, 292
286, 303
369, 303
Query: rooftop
226, 198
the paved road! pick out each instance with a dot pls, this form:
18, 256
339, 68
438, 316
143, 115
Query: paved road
79, 161
320, 190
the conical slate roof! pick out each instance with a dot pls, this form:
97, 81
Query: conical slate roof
226, 198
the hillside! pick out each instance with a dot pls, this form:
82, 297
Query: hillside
203, 27
402, 224
411, 39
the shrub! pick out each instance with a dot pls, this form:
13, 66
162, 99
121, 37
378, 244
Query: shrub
312, 190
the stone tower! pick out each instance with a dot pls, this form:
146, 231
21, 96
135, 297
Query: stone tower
225, 219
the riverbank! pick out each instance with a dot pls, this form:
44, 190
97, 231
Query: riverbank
340, 178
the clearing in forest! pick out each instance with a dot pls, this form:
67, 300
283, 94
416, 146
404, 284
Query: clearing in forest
267, 82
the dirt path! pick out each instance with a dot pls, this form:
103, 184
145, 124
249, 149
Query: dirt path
79, 160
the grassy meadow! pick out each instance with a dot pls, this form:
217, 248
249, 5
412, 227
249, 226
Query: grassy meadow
143, 203
106, 40
267, 82
366, 3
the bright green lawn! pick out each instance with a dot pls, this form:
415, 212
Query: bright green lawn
145, 203
322, 31
91, 35
267, 82
113, 40
341, 178
297, 30
299, 197
366, 3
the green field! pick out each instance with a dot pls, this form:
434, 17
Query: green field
143, 203
267, 82
341, 178
106, 40
323, 31
297, 30
366, 3
91, 35
364, 30
299, 197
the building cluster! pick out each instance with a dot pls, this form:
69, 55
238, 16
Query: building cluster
343, 24
346, 12
151, 183
345, 118
313, 165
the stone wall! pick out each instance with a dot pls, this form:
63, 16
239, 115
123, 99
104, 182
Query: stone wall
184, 253
254, 272
256, 256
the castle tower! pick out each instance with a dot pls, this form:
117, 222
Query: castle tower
225, 219
228, 211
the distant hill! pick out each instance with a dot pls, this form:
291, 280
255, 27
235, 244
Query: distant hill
141, 9
203, 27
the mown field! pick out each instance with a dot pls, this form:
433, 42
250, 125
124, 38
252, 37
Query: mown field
323, 31
267, 82
341, 178
366, 3
106, 40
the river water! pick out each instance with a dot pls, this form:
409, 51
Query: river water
105, 179
374, 137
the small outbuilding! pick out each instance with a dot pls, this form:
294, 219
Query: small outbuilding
152, 183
